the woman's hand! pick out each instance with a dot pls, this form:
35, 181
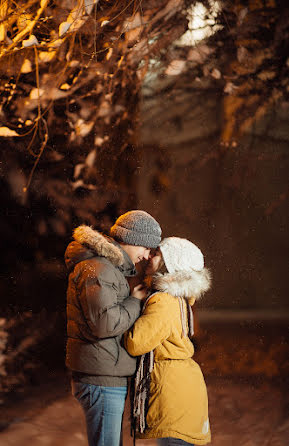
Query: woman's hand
140, 292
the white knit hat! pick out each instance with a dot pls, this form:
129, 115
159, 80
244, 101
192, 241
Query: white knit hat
180, 254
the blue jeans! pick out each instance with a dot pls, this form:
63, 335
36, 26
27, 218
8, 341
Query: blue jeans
103, 408
169, 441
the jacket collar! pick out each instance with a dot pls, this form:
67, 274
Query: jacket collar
127, 268
89, 242
185, 284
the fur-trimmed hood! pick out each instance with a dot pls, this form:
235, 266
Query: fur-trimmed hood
185, 284
88, 242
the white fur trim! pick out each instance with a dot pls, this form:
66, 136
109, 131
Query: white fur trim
183, 283
98, 243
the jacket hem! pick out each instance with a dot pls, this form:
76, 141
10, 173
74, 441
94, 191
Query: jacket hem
173, 434
98, 380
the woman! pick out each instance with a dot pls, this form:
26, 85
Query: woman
170, 396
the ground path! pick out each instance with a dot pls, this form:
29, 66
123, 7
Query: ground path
242, 413
247, 408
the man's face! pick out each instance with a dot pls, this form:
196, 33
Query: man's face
137, 253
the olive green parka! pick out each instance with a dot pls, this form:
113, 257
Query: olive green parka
99, 309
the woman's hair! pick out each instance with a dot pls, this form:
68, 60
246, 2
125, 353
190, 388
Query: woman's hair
162, 269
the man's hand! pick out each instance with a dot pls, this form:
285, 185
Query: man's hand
139, 292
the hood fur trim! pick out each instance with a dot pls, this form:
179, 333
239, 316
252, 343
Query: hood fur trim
98, 243
183, 283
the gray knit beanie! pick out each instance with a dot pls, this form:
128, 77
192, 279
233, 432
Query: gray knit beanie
137, 228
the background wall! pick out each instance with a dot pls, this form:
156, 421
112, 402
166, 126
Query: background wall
231, 201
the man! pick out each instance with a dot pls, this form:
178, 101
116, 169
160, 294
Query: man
99, 310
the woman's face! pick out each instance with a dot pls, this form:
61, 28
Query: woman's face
154, 262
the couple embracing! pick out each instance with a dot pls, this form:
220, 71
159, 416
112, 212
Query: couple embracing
113, 333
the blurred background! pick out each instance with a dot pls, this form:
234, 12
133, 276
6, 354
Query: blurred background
176, 107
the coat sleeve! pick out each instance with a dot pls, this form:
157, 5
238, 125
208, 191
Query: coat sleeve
105, 316
151, 329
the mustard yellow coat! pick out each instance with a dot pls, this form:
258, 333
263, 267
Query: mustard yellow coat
178, 403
